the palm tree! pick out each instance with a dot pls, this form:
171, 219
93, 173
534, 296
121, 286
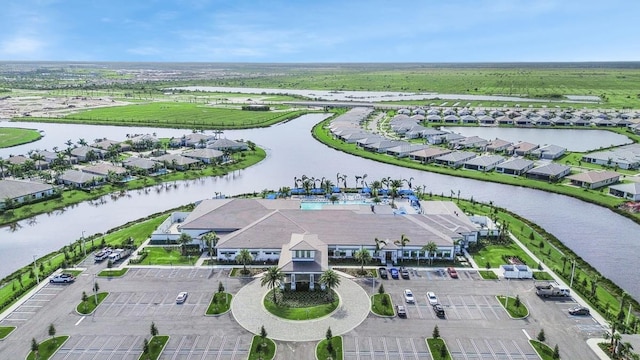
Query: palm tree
395, 185
183, 240
272, 278
327, 186
3, 165
82, 142
363, 256
307, 184
211, 240
331, 280
402, 242
244, 257
379, 245
408, 181
37, 159
430, 248
375, 186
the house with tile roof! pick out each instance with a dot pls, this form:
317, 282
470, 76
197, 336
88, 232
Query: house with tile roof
594, 179
549, 152
629, 191
483, 163
549, 172
21, 191
515, 166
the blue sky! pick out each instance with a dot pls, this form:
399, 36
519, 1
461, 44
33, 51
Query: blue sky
320, 31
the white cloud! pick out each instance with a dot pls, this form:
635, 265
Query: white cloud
22, 46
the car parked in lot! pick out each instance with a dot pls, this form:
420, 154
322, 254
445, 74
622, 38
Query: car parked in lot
432, 298
439, 310
383, 273
452, 272
408, 297
62, 278
404, 273
401, 311
182, 297
579, 310
394, 273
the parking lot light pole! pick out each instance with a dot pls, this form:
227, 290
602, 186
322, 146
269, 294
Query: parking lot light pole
95, 293
573, 270
35, 270
506, 298
84, 245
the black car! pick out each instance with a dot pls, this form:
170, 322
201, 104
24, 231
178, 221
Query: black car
580, 310
383, 273
404, 273
439, 310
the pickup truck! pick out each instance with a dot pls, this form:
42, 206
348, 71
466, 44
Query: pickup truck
552, 291
119, 254
101, 255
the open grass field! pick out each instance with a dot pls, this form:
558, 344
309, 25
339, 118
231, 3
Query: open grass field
16, 136
616, 86
176, 114
167, 256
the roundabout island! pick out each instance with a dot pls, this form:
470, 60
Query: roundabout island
249, 311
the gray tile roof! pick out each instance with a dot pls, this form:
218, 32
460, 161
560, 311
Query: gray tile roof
516, 164
11, 189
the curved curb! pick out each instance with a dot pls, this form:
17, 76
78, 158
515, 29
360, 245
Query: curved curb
9, 333
297, 321
216, 315
507, 311
249, 312
94, 310
382, 316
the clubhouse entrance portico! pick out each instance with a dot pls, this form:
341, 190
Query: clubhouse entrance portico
303, 260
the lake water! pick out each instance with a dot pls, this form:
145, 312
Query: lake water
598, 235
572, 139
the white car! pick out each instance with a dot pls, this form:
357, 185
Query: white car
182, 297
432, 298
408, 297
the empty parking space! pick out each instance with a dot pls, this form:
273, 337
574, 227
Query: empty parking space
483, 348
100, 348
133, 304
28, 309
207, 347
374, 348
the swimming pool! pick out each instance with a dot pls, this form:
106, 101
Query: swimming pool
319, 205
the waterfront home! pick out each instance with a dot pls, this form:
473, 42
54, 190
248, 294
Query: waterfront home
454, 159
404, 150
79, 179
427, 155
550, 172
483, 163
87, 153
521, 149
624, 157
471, 142
594, 179
141, 165
497, 145
549, 152
21, 191
176, 161
630, 191
105, 170
207, 156
515, 166
105, 144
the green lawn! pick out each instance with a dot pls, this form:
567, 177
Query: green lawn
168, 255
301, 312
542, 275
518, 312
220, 303
493, 254
47, 348
5, 331
113, 272
438, 349
156, 345
17, 136
544, 351
87, 307
488, 274
260, 352
177, 115
378, 308
323, 353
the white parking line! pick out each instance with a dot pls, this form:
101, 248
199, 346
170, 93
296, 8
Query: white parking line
463, 352
79, 321
526, 334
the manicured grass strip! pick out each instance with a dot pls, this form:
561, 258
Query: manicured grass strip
488, 274
87, 307
493, 254
48, 347
168, 255
378, 308
258, 351
5, 331
438, 349
543, 350
113, 272
516, 312
542, 275
301, 313
156, 345
323, 353
17, 136
220, 303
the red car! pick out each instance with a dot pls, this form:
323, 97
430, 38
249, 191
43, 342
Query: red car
452, 272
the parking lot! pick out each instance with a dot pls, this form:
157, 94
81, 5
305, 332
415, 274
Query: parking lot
475, 326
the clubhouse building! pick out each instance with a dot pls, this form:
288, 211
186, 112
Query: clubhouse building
302, 241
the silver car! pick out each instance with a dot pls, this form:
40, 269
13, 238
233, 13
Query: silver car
182, 297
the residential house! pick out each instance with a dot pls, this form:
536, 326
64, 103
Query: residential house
497, 145
455, 159
87, 153
176, 161
207, 156
551, 172
404, 150
522, 148
143, 142
624, 157
483, 163
226, 144
594, 179
141, 165
428, 155
515, 166
629, 191
14, 192
549, 152
471, 142
79, 179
